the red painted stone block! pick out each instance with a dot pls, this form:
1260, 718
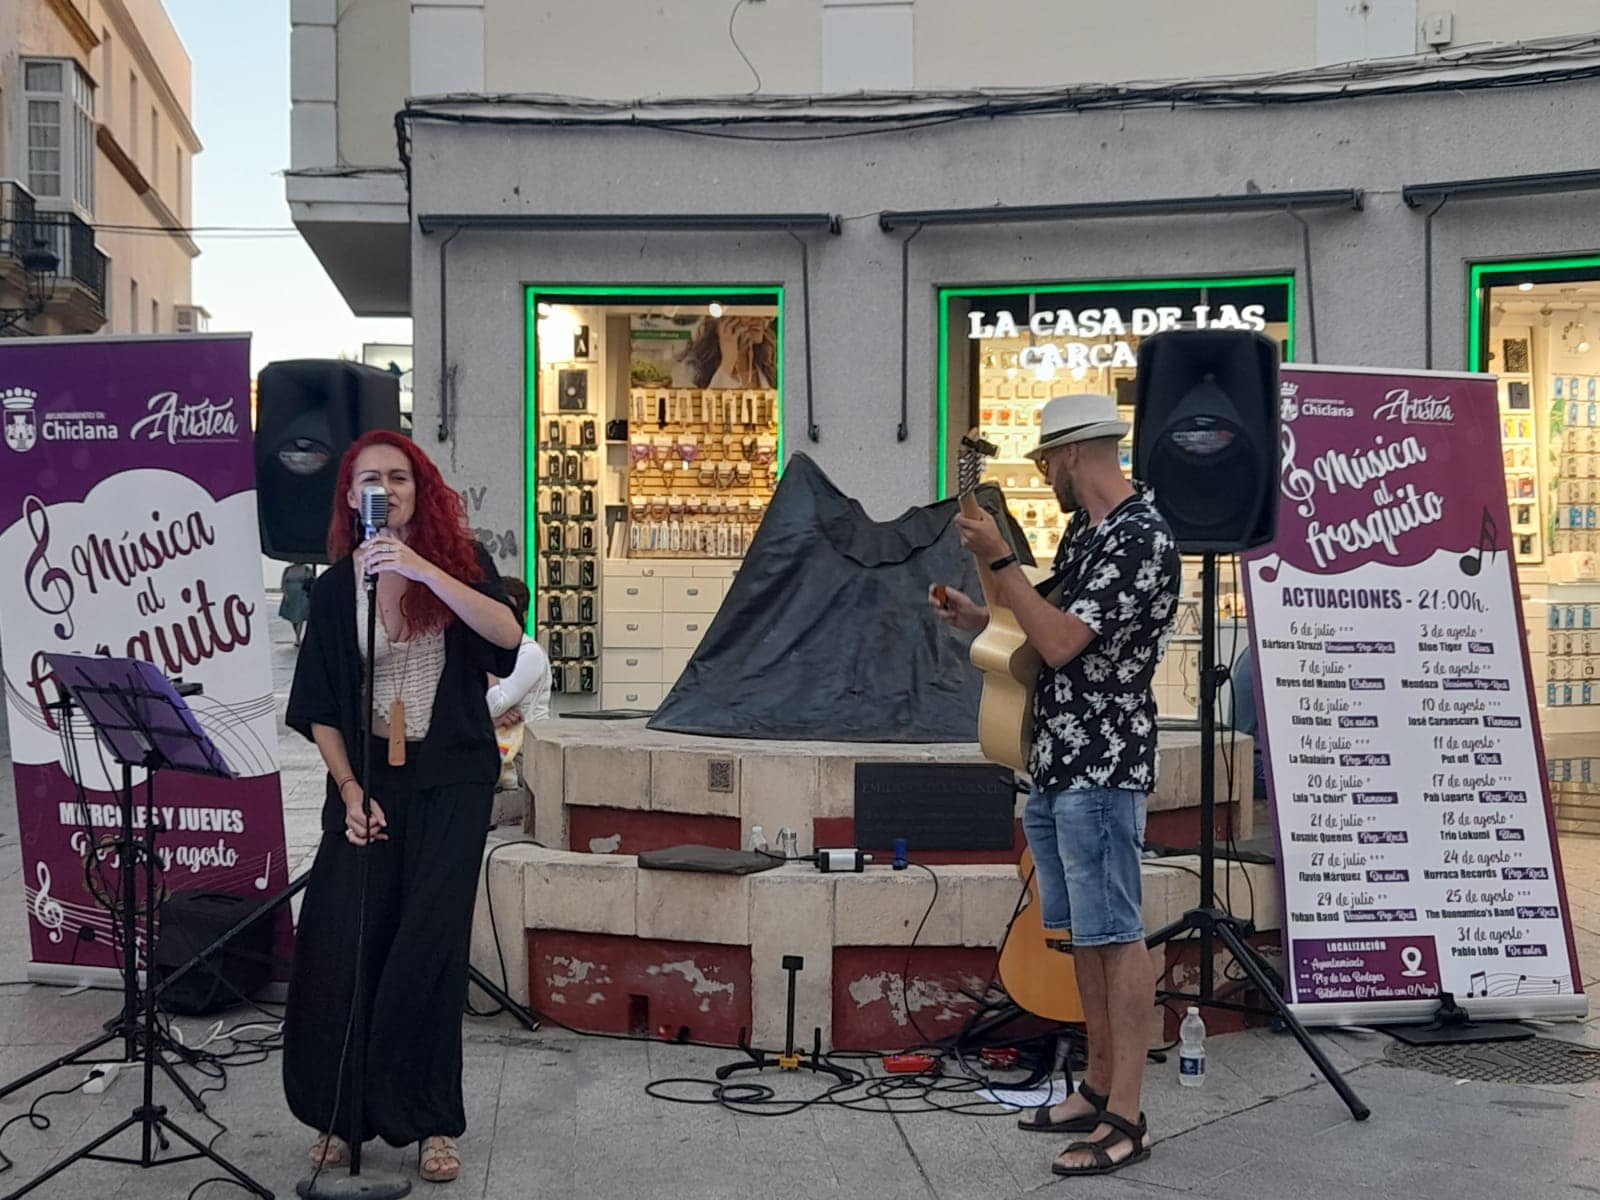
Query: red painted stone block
630, 831
1182, 974
881, 1004
1180, 827
602, 983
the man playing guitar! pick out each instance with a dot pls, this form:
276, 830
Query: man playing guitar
1093, 752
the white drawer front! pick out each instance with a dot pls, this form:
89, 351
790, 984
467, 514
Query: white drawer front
623, 628
630, 666
630, 695
634, 595
672, 664
681, 632
691, 595
647, 567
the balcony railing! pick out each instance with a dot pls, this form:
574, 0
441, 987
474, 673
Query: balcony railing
16, 218
72, 239
24, 225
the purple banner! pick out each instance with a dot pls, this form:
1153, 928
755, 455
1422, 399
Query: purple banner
1396, 702
128, 528
1363, 969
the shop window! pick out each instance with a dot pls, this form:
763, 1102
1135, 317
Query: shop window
1004, 351
1536, 325
654, 442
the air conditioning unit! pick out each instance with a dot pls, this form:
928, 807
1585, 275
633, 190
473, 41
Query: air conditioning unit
190, 318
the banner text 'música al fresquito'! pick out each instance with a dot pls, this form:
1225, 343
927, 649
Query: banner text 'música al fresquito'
128, 528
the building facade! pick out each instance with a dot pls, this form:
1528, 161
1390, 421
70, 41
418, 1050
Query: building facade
871, 263
97, 145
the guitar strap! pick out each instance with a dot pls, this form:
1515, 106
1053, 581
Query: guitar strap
1047, 587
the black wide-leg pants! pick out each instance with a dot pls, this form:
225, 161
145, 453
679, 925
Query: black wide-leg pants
421, 887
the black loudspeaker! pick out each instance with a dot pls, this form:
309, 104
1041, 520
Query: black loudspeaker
238, 971
308, 411
1206, 435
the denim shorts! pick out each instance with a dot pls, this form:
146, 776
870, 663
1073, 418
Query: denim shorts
1087, 844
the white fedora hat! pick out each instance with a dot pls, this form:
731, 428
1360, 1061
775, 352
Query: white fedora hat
1078, 418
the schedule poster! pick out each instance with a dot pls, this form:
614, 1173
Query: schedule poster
1417, 848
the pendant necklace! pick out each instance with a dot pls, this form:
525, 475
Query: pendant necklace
397, 706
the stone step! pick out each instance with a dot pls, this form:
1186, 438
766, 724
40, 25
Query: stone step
794, 909
615, 785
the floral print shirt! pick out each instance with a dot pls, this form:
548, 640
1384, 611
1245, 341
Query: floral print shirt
1094, 719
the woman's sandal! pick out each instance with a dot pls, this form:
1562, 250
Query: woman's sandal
1039, 1120
1104, 1164
438, 1159
330, 1150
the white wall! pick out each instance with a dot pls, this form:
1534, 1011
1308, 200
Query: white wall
630, 49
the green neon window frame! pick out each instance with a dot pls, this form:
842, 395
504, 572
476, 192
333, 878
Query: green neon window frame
947, 294
1482, 277
536, 294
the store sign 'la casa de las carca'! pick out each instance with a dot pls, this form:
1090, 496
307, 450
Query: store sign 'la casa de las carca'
1093, 323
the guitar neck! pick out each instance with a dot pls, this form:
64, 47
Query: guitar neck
971, 508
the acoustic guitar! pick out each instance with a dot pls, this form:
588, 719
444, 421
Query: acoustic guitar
1010, 666
1039, 978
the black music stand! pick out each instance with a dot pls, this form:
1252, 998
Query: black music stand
140, 719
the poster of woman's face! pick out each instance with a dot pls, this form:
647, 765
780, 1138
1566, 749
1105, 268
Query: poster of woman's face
730, 352
704, 352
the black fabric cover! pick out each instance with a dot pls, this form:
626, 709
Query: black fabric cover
826, 633
713, 859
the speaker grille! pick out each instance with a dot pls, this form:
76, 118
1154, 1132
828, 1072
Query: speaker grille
308, 413
1206, 435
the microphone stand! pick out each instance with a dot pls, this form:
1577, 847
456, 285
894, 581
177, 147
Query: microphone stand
369, 1187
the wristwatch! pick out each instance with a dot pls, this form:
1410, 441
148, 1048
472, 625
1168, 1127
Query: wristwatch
1000, 564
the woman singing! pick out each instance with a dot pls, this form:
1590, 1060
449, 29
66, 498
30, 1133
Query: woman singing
443, 625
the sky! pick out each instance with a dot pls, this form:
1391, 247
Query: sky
268, 285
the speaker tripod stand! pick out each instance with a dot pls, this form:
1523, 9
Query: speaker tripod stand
1211, 923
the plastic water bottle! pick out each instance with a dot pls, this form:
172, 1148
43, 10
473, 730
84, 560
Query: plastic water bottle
1192, 1053
758, 838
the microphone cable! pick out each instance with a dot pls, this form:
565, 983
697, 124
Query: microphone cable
374, 512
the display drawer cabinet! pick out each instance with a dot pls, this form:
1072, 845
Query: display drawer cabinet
655, 615
1563, 630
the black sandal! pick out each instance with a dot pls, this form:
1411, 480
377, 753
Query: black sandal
1121, 1131
1039, 1120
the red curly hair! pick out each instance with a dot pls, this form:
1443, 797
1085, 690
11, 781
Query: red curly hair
438, 531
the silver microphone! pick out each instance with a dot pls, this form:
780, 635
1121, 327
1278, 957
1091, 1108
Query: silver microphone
374, 509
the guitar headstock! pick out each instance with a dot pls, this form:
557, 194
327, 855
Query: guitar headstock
975, 452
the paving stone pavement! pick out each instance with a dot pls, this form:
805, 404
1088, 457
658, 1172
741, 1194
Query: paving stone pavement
551, 1114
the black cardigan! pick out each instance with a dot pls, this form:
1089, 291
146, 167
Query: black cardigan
460, 744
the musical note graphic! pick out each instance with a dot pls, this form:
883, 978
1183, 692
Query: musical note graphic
45, 906
1488, 535
1266, 567
1503, 983
261, 880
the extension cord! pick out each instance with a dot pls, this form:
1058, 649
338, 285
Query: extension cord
103, 1075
